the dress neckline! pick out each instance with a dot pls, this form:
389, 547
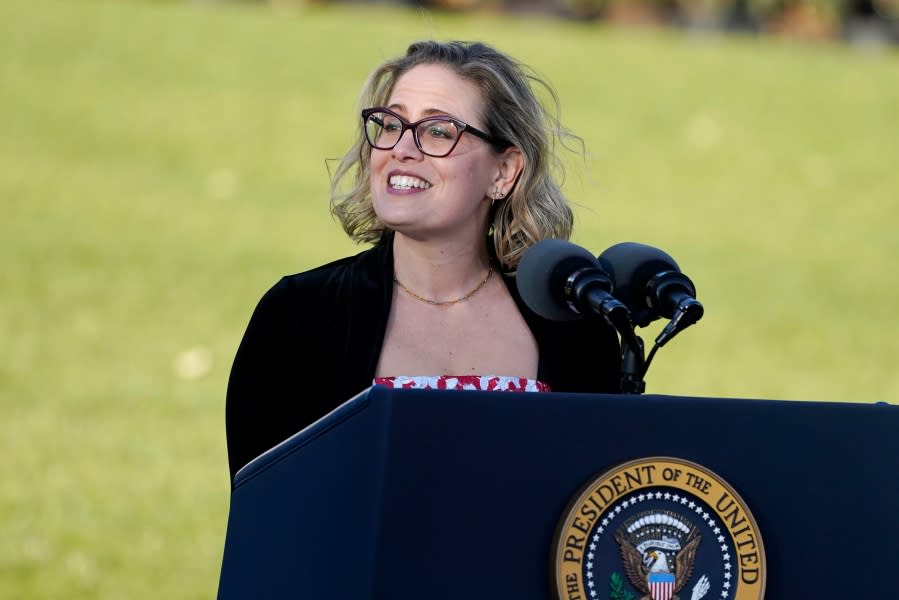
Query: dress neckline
498, 383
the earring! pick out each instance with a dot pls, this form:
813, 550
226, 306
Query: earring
497, 195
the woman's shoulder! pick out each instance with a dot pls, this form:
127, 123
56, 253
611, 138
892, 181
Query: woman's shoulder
344, 275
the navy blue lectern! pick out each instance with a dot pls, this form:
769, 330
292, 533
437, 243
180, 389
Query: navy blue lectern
452, 495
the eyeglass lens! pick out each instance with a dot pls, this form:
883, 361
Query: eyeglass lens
436, 137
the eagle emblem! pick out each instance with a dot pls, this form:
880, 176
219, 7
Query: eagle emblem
658, 549
652, 529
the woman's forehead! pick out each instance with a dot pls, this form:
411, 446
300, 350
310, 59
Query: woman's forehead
435, 89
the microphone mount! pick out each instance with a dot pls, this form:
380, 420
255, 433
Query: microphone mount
590, 286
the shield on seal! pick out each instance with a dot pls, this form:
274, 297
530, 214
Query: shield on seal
661, 585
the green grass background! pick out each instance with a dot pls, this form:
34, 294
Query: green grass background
162, 164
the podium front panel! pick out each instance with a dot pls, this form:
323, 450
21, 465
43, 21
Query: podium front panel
427, 494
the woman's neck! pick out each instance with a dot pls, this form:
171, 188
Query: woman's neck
439, 270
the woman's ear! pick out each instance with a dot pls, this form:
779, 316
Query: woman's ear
510, 164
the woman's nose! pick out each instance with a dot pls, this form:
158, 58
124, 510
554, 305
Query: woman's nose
406, 147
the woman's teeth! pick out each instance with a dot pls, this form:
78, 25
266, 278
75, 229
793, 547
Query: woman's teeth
404, 182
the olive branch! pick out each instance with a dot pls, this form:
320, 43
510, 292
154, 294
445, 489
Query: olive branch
617, 591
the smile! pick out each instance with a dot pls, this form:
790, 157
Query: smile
405, 182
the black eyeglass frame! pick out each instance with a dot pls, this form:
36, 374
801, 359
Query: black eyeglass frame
462, 125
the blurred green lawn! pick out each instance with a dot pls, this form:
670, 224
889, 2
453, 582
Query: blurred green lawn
162, 164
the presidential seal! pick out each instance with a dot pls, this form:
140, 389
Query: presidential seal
658, 528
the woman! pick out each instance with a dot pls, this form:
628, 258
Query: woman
451, 180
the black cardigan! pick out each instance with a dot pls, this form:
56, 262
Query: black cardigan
315, 338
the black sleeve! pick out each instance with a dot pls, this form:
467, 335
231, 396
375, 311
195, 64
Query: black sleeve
264, 405
578, 356
312, 343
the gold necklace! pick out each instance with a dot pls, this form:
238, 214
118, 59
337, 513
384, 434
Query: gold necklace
445, 302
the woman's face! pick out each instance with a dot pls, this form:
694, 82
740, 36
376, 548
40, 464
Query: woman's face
435, 198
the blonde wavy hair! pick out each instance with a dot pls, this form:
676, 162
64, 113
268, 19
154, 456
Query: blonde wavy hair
536, 208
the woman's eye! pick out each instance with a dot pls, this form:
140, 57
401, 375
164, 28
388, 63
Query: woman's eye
440, 130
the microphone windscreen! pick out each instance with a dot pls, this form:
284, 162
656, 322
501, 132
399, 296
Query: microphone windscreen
631, 267
542, 273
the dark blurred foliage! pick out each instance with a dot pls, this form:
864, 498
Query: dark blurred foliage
858, 21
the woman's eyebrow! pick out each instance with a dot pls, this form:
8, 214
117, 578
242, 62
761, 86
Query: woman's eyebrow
427, 112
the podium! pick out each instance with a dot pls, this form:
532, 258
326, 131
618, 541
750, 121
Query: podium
449, 495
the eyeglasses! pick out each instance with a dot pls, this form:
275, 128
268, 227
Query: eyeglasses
434, 136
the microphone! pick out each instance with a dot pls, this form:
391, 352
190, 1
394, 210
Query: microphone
651, 285
561, 281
